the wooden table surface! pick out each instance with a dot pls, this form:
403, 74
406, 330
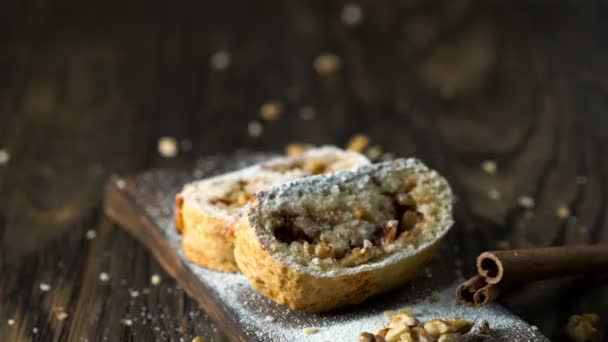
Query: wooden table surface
87, 89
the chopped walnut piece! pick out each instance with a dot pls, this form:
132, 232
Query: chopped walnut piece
358, 143
406, 317
391, 234
460, 325
323, 250
367, 337
296, 149
396, 329
315, 167
582, 327
242, 199
436, 327
406, 200
271, 110
409, 220
449, 337
410, 183
362, 214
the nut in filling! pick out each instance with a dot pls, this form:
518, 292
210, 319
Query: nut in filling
348, 225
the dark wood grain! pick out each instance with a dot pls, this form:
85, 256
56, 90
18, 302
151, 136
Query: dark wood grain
87, 88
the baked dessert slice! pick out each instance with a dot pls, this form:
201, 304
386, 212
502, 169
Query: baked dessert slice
321, 242
206, 207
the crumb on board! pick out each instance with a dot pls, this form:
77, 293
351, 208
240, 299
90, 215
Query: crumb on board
307, 112
155, 279
61, 315
526, 202
582, 327
198, 339
255, 129
126, 321
271, 110
120, 183
563, 212
133, 293
104, 277
327, 64
358, 143
489, 166
404, 326
44, 287
4, 156
167, 147
309, 331
296, 149
269, 318
91, 234
351, 14
220, 60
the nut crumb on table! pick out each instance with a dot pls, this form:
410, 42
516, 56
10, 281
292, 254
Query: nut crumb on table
582, 327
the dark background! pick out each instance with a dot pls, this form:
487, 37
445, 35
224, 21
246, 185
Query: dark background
88, 87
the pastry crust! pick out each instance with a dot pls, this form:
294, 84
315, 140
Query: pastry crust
272, 270
205, 209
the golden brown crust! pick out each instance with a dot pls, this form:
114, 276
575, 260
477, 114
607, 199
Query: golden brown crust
204, 239
307, 292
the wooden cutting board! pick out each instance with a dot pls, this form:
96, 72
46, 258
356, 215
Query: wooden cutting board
143, 205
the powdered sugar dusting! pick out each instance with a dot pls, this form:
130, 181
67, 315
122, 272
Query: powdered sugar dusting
428, 297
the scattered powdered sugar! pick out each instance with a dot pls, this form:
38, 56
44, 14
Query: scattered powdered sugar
428, 297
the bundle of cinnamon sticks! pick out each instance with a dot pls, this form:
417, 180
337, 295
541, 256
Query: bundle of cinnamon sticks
498, 270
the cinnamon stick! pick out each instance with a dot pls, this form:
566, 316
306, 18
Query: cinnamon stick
532, 264
500, 269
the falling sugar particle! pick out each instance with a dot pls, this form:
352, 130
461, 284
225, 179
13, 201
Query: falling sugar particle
45, 287
494, 194
563, 212
255, 129
35, 330
327, 64
526, 202
308, 113
4, 156
134, 293
489, 166
126, 321
167, 147
351, 14
220, 60
104, 277
91, 234
11, 321
155, 279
